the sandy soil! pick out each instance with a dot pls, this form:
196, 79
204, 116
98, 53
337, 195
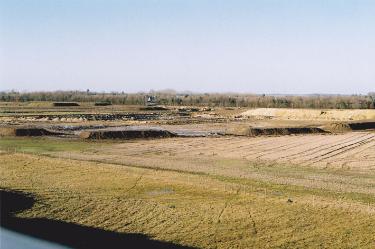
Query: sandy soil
311, 114
354, 150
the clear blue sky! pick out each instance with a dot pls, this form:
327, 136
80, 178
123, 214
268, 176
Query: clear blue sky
265, 46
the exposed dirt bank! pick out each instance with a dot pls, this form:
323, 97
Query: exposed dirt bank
126, 134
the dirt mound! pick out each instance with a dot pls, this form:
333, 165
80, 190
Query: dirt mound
65, 104
154, 108
338, 127
310, 114
102, 103
276, 131
126, 134
27, 131
93, 117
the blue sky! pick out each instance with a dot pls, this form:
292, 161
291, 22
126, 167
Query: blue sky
268, 46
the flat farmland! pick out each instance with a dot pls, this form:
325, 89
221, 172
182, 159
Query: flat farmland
355, 150
208, 184
342, 162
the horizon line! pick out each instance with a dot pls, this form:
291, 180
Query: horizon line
172, 91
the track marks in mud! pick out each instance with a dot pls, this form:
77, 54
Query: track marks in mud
308, 150
135, 184
226, 205
342, 149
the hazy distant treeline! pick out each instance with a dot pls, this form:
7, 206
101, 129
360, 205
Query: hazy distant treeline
207, 99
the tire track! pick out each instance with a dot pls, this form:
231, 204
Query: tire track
284, 150
359, 154
341, 150
319, 148
226, 205
294, 145
134, 185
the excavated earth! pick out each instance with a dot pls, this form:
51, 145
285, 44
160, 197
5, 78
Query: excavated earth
126, 133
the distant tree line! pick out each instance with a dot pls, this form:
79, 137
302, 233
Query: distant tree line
206, 99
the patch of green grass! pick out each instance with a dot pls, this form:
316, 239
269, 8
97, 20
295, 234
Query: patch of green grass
41, 145
295, 191
296, 172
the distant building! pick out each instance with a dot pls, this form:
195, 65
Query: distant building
150, 100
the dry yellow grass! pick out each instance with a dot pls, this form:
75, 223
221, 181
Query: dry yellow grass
190, 209
222, 192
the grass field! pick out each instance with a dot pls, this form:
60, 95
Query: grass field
75, 181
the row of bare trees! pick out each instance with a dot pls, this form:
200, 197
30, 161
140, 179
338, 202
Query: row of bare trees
206, 99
